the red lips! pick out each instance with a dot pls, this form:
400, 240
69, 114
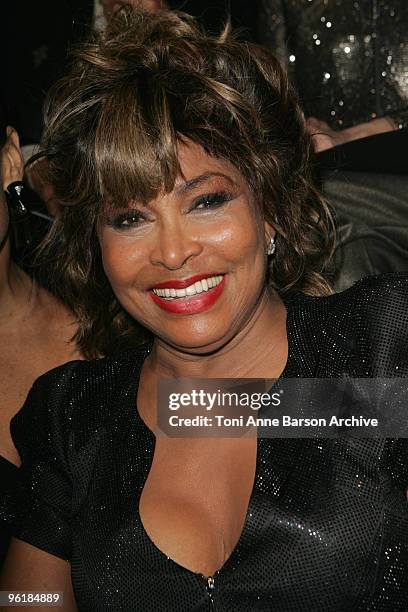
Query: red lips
191, 304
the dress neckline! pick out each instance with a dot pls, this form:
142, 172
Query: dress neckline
6, 464
261, 450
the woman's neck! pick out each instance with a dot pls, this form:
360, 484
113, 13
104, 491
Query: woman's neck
17, 290
258, 350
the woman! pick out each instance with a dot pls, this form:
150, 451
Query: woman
182, 163
349, 62
35, 330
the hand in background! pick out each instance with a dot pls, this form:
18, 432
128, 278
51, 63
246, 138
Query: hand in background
12, 162
36, 174
324, 137
12, 169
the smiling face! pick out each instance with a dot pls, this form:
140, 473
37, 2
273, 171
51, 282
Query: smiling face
190, 265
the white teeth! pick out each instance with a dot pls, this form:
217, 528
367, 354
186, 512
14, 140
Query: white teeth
201, 286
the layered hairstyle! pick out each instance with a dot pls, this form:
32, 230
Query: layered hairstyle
112, 127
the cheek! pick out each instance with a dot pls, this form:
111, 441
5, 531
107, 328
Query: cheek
120, 259
241, 240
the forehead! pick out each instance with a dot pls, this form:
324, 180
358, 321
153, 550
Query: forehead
195, 161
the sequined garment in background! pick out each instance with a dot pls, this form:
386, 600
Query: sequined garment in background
348, 58
327, 523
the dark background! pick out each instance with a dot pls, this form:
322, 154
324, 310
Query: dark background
35, 39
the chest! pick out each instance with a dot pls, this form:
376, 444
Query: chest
304, 524
194, 501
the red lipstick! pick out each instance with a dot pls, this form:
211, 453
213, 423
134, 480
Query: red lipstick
191, 304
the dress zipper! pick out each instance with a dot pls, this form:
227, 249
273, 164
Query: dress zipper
210, 589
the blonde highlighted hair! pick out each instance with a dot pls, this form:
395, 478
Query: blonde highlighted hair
112, 129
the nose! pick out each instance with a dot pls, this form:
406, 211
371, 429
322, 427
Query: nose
174, 245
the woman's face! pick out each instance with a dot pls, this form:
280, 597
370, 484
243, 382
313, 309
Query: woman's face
190, 266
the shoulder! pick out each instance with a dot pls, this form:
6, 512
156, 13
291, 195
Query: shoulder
380, 323
85, 377
383, 287
363, 329
376, 304
76, 396
371, 293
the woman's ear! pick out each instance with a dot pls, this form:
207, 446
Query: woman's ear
269, 232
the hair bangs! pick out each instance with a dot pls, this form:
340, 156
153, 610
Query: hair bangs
135, 147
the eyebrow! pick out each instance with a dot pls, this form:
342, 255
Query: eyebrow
198, 180
189, 185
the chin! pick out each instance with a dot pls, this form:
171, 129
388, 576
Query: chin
195, 342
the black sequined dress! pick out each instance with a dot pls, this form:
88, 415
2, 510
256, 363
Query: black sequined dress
326, 529
349, 58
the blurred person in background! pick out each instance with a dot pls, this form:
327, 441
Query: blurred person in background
349, 62
36, 329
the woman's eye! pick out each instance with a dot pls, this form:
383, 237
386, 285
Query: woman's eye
212, 200
126, 220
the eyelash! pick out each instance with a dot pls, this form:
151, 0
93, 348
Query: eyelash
213, 200
210, 201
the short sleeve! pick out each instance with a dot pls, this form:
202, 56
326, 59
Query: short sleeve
38, 507
382, 307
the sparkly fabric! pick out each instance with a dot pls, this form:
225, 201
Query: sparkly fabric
8, 473
327, 524
349, 58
